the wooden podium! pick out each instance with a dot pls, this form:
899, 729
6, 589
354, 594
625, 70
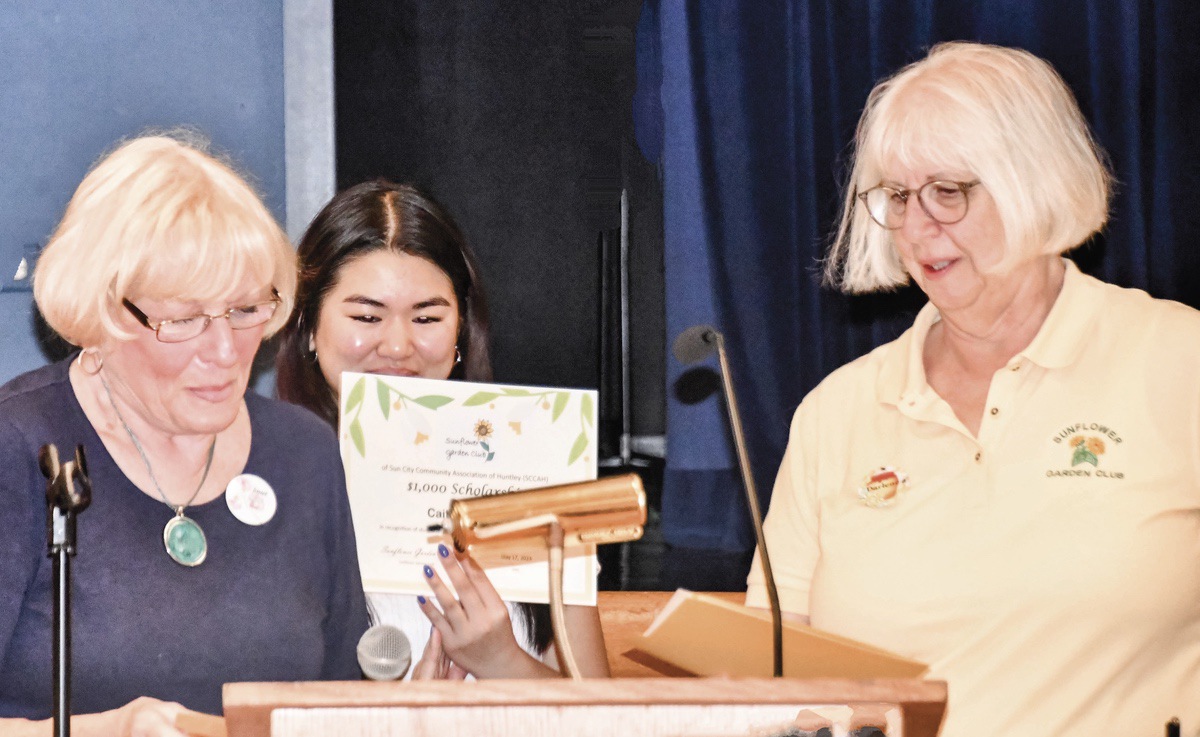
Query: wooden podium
636, 701
647, 707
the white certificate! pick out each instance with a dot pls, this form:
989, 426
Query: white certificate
411, 445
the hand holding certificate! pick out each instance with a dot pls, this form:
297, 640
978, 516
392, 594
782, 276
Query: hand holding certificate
410, 445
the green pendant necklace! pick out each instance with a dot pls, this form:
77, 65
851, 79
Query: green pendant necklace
182, 536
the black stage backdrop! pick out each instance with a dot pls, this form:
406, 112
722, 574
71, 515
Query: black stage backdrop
751, 104
517, 117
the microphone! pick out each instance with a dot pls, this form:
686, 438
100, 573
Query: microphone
608, 510
384, 653
695, 344
68, 486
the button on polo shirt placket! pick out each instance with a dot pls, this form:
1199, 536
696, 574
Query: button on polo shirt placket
927, 406
1009, 386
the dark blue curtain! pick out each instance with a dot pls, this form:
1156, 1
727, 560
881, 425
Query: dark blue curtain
750, 107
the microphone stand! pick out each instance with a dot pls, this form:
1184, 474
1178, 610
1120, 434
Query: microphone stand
693, 345
735, 421
64, 501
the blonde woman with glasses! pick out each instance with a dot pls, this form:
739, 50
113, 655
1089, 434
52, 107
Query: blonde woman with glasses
218, 544
1010, 491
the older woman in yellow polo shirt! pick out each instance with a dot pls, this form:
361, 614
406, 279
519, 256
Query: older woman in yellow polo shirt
1009, 492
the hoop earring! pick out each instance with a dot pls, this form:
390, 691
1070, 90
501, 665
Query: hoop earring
457, 356
95, 357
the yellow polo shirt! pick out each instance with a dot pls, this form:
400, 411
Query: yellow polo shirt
1048, 569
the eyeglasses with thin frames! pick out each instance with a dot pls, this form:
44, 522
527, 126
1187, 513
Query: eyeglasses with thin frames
241, 317
943, 200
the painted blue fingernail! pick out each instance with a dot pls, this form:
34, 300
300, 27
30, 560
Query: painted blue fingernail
420, 599
443, 550
428, 572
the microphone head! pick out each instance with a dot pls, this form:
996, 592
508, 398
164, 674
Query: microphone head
384, 653
695, 344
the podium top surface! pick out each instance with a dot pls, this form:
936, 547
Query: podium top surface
248, 706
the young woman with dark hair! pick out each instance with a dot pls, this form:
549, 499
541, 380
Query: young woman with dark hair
388, 285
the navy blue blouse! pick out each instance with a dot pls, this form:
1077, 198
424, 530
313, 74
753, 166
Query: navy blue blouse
278, 602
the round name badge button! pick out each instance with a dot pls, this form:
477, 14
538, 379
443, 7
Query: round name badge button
251, 499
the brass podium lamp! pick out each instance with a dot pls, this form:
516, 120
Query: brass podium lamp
610, 510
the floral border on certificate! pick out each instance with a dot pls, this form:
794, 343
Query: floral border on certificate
390, 398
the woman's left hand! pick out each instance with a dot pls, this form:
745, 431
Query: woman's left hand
476, 631
435, 664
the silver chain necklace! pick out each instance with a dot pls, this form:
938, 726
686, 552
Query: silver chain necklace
182, 535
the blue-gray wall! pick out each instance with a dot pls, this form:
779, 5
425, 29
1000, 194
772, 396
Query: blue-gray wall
76, 76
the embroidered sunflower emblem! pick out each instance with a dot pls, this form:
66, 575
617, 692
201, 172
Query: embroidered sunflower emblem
1087, 450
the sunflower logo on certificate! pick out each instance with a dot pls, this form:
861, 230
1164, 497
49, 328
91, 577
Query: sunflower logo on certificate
483, 431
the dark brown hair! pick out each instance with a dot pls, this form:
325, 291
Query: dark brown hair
365, 218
